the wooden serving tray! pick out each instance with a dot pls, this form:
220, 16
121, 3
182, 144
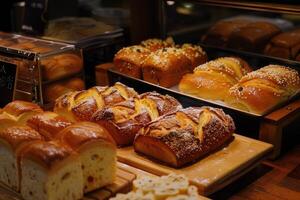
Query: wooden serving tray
213, 172
123, 184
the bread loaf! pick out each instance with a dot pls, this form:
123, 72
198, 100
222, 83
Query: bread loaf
213, 79
12, 141
97, 153
195, 53
155, 44
165, 67
123, 120
182, 137
261, 90
129, 60
80, 106
50, 171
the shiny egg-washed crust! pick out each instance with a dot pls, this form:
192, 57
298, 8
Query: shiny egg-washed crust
261, 90
165, 67
80, 106
182, 137
16, 108
156, 44
213, 79
129, 60
49, 124
195, 53
125, 119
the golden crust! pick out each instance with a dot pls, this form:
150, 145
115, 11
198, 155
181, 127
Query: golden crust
18, 107
195, 53
154, 44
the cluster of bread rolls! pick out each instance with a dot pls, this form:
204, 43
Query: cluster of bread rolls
48, 157
170, 187
230, 80
157, 61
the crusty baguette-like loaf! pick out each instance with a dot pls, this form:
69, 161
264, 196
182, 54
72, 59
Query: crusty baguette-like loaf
50, 171
17, 113
155, 44
48, 124
165, 67
123, 120
184, 136
97, 152
80, 106
13, 140
129, 60
261, 90
213, 79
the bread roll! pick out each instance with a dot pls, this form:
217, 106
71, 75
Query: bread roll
129, 60
17, 113
123, 120
155, 44
80, 106
165, 67
261, 90
195, 53
61, 65
213, 79
48, 124
182, 137
97, 152
50, 171
12, 141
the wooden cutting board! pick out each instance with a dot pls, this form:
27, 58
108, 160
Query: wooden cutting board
213, 172
123, 183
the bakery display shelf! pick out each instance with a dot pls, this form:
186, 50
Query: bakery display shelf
255, 6
268, 127
123, 184
213, 172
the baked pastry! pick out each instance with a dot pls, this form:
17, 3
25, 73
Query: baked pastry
129, 60
17, 113
195, 53
48, 124
97, 152
165, 67
61, 65
12, 141
52, 91
253, 37
184, 136
220, 32
285, 45
80, 106
261, 90
50, 171
123, 120
155, 44
213, 79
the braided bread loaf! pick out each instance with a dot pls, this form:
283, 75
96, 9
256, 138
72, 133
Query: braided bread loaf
184, 136
80, 106
213, 79
123, 120
261, 90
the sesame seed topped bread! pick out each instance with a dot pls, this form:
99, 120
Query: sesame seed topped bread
195, 53
155, 44
261, 90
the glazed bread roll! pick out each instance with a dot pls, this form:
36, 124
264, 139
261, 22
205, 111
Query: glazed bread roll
253, 37
123, 120
155, 44
80, 106
61, 65
165, 67
17, 113
52, 91
184, 136
97, 153
50, 171
261, 90
12, 141
48, 124
129, 60
213, 79
195, 53
285, 45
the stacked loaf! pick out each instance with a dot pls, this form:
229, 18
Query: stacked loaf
158, 61
52, 158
